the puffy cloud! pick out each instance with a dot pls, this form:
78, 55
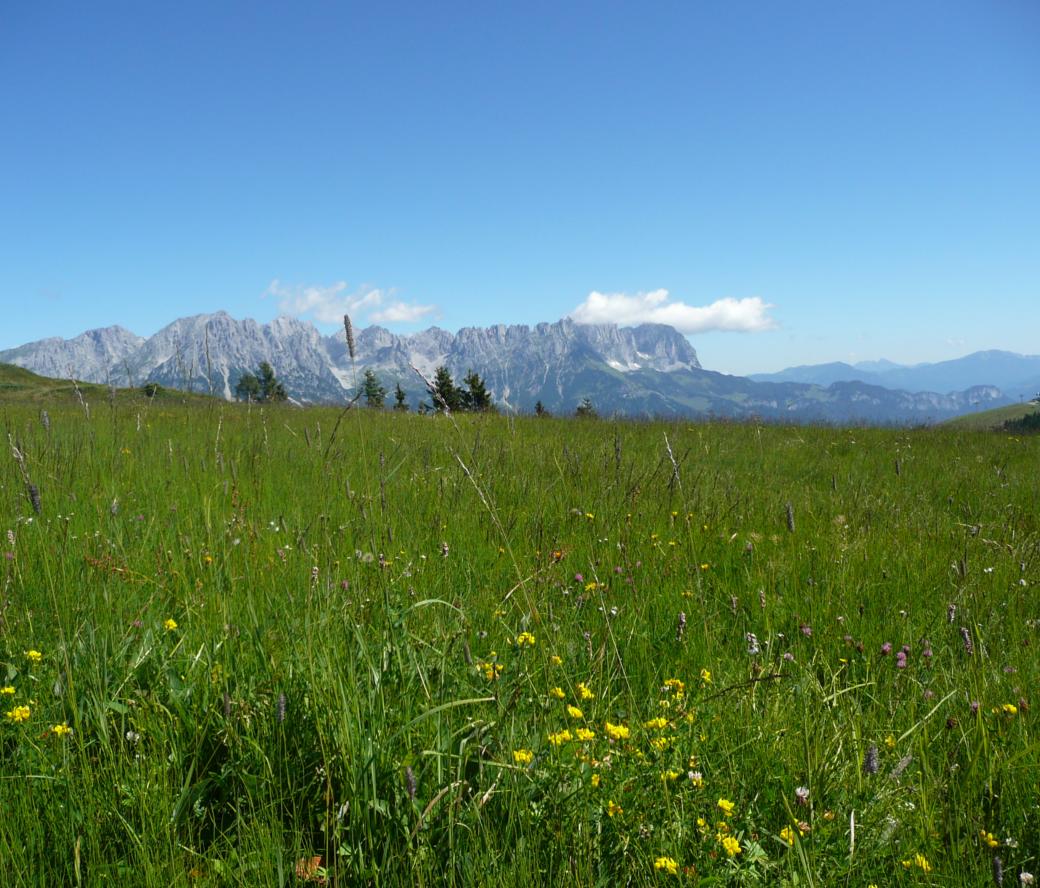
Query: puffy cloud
327, 305
747, 315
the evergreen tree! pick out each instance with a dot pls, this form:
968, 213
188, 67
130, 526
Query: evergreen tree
248, 387
539, 410
375, 392
445, 393
585, 409
475, 395
270, 388
400, 402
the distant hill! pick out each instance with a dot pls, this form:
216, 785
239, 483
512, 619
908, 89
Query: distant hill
993, 419
19, 384
1017, 376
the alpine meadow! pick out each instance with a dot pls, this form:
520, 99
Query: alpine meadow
260, 645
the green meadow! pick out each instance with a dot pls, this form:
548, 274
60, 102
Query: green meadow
271, 646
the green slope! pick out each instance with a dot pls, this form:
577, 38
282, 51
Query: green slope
20, 385
992, 419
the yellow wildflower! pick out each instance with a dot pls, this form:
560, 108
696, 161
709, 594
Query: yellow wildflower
170, 624
787, 834
7, 690
731, 846
613, 809
890, 742
666, 864
660, 743
33, 656
561, 737
523, 756
584, 734
595, 781
19, 714
557, 693
62, 730
669, 775
989, 839
920, 861
556, 660
726, 807
1009, 708
574, 712
525, 638
676, 686
706, 676
584, 693
656, 723
616, 732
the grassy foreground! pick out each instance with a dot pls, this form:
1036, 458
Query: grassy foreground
497, 652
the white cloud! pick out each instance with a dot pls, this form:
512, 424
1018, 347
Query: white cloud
327, 305
748, 315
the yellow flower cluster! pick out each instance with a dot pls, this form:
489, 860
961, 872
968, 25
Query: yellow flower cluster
62, 730
584, 693
989, 839
920, 861
561, 737
667, 865
657, 724
169, 624
613, 809
616, 732
557, 693
730, 845
7, 690
19, 714
584, 734
33, 656
787, 834
726, 807
523, 756
525, 639
706, 676
574, 712
675, 686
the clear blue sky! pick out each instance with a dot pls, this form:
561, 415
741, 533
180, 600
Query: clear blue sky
870, 170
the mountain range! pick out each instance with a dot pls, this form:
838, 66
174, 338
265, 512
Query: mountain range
647, 370
1017, 376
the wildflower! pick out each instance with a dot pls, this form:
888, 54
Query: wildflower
19, 714
491, 670
7, 690
900, 660
801, 795
556, 660
1025, 878
706, 676
523, 756
660, 743
696, 778
731, 846
574, 712
920, 861
666, 864
170, 624
675, 685
969, 647
595, 781
560, 737
584, 734
669, 775
726, 807
33, 656
62, 730
557, 693
584, 693
1009, 708
989, 839
787, 834
613, 809
886, 649
656, 723
616, 732
680, 626
525, 638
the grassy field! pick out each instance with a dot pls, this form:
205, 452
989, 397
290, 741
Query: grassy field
992, 419
485, 651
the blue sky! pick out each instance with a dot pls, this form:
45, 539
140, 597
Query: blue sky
787, 182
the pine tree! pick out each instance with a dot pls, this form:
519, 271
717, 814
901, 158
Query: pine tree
248, 387
445, 393
270, 388
400, 402
539, 410
585, 409
375, 392
476, 396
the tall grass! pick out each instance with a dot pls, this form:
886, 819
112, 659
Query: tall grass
279, 668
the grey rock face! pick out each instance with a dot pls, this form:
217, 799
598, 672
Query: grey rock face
650, 370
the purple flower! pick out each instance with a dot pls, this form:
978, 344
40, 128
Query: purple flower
886, 649
578, 578
974, 707
900, 660
806, 630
